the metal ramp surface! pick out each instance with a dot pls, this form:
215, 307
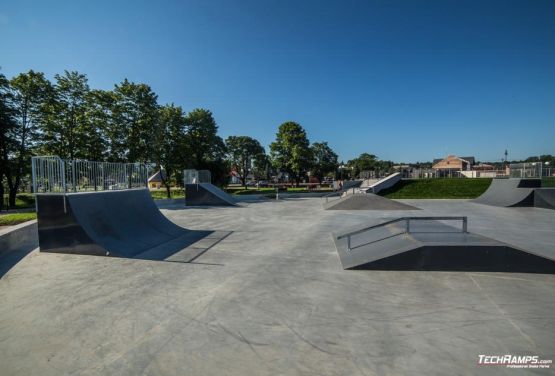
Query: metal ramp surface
429, 243
509, 192
207, 194
123, 223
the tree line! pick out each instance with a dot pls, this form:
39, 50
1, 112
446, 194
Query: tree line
68, 118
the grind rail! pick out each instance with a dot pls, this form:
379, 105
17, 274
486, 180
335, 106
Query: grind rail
407, 228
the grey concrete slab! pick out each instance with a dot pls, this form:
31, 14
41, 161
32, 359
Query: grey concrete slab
272, 299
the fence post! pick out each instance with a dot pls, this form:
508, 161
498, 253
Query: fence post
407, 229
465, 224
73, 176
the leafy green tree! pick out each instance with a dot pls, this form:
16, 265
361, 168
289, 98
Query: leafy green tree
66, 130
242, 152
7, 125
105, 141
291, 152
30, 92
364, 162
134, 114
325, 159
262, 166
170, 143
205, 146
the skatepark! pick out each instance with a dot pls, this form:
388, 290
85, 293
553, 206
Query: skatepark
272, 286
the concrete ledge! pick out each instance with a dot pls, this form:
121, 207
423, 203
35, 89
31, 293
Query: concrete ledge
18, 237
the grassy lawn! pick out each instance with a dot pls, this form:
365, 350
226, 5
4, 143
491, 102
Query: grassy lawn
548, 182
15, 218
438, 188
22, 201
161, 194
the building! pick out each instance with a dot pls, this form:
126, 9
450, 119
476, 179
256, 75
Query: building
155, 181
453, 165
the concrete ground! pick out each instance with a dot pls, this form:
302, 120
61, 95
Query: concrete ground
272, 299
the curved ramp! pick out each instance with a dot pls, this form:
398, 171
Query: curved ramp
366, 201
116, 223
509, 192
544, 198
207, 194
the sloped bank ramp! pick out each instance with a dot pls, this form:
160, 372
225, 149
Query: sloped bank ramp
365, 201
207, 194
509, 192
123, 223
428, 243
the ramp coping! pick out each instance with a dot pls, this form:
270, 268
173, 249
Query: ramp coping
407, 221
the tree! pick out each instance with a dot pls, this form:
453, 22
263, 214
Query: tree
205, 145
7, 125
30, 91
325, 159
368, 162
291, 152
242, 152
363, 162
170, 143
261, 166
134, 114
66, 131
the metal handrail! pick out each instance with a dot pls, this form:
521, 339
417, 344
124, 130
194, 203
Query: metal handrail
340, 193
407, 221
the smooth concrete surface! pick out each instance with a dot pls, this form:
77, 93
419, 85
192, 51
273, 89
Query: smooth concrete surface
16, 242
272, 299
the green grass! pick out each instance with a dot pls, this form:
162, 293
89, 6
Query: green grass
548, 181
22, 201
15, 218
161, 194
437, 188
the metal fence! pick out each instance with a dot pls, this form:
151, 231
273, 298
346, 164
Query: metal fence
531, 170
196, 176
55, 175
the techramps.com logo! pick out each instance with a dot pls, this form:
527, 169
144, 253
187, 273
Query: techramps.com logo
514, 361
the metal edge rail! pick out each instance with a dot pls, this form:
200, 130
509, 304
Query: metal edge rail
407, 221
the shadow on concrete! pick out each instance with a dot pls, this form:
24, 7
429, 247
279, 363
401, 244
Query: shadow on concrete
185, 249
9, 259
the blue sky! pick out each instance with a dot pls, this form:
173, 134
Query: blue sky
405, 80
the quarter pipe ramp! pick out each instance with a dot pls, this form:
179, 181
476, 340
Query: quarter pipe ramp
123, 223
510, 192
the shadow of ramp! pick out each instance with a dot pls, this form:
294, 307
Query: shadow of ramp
186, 248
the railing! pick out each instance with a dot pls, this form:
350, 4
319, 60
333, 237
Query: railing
55, 175
407, 228
340, 193
196, 176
